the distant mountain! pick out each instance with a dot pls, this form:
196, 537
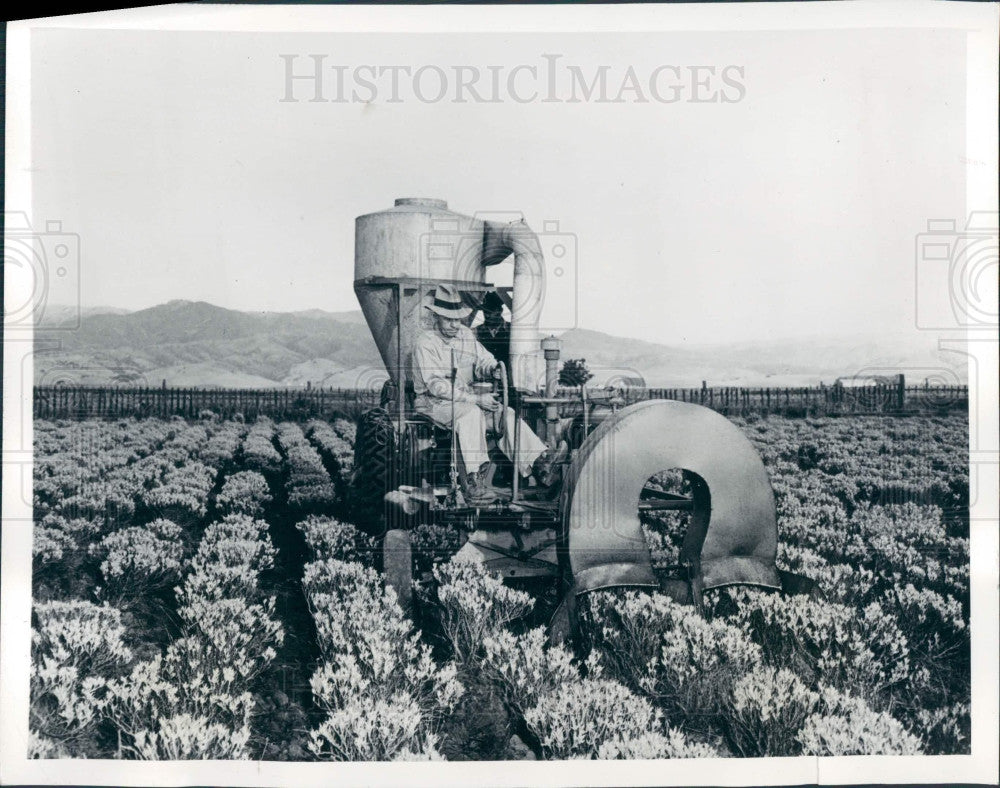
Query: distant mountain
194, 343
786, 362
54, 315
189, 343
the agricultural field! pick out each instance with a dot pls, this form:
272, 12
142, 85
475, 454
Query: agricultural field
200, 591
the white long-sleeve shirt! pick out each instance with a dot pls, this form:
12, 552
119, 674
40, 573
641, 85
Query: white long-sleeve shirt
431, 365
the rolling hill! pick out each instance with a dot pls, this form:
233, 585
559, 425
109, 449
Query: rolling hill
190, 344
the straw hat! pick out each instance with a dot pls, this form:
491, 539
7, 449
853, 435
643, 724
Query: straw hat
448, 303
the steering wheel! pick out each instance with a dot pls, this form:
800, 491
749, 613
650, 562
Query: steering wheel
500, 416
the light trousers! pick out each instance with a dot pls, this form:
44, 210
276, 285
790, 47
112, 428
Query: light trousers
470, 430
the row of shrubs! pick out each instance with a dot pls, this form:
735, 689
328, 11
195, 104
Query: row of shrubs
194, 700
335, 446
191, 700
387, 698
308, 484
89, 694
258, 452
894, 577
221, 448
383, 695
77, 501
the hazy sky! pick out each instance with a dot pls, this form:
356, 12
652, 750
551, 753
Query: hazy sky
791, 210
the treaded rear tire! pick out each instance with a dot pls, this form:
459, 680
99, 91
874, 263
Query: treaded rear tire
374, 454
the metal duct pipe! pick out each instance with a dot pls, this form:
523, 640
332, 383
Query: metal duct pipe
499, 241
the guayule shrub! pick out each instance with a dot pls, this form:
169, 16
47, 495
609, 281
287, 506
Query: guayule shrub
592, 718
327, 537
80, 634
192, 700
654, 745
936, 623
304, 463
663, 550
473, 602
242, 634
141, 558
231, 555
766, 708
105, 503
427, 751
848, 726
380, 686
48, 546
846, 584
40, 747
341, 450
347, 430
312, 495
369, 731
223, 444
832, 642
945, 730
800, 560
667, 651
183, 491
308, 484
190, 677
523, 668
369, 643
433, 544
188, 737
76, 648
259, 453
245, 492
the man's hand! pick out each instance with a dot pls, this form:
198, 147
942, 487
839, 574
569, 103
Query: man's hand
487, 402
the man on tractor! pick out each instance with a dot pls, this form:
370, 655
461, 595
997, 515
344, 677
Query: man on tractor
494, 332
433, 354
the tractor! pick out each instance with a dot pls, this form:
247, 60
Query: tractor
585, 532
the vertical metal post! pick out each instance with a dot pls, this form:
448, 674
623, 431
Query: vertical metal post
400, 382
400, 387
453, 470
550, 346
517, 449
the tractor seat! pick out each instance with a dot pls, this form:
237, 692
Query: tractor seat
439, 432
426, 421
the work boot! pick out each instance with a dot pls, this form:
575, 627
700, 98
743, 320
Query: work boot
546, 468
477, 493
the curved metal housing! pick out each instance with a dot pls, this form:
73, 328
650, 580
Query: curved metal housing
736, 543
